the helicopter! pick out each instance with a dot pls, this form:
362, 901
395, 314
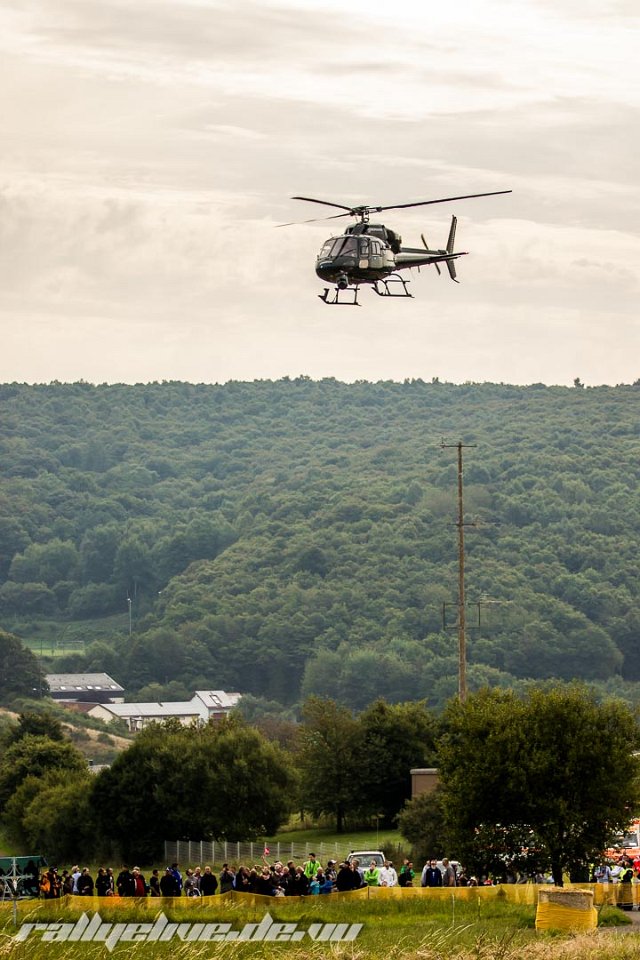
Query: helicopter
373, 253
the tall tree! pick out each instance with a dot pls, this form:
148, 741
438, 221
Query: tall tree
222, 781
556, 766
396, 738
20, 672
332, 761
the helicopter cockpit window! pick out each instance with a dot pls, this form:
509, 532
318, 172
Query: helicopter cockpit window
344, 246
326, 248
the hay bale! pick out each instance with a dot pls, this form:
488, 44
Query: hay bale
560, 909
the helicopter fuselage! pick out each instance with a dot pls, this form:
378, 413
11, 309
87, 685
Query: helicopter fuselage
372, 253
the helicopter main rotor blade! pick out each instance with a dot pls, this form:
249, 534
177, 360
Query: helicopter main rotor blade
325, 203
336, 216
425, 203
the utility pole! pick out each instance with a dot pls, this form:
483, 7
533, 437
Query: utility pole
462, 638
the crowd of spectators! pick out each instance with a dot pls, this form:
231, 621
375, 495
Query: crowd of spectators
281, 879
288, 879
267, 879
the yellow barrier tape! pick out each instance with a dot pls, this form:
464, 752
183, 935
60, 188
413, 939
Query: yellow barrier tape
552, 916
525, 893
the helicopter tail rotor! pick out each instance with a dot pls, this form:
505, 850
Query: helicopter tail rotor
451, 267
426, 246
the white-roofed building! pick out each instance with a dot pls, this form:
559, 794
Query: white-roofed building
205, 705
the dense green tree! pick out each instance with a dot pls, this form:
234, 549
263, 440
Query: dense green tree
556, 766
46, 563
20, 673
396, 738
52, 815
332, 762
422, 822
42, 724
273, 528
36, 756
218, 782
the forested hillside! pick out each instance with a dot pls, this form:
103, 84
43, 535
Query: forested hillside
295, 537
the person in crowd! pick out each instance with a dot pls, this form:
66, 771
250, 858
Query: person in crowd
243, 880
75, 876
85, 883
311, 866
227, 879
448, 874
263, 883
388, 875
372, 875
141, 887
330, 871
178, 877
208, 883
125, 883
358, 874
154, 883
431, 875
407, 874
345, 878
169, 884
67, 883
191, 887
299, 886
102, 883
50, 884
603, 873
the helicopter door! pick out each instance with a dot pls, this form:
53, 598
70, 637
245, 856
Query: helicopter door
364, 249
375, 260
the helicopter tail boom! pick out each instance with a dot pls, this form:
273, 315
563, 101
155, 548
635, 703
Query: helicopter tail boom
412, 257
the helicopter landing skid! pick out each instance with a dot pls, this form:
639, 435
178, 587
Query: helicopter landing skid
353, 291
387, 285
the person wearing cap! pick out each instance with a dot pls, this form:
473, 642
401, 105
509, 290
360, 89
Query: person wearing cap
330, 872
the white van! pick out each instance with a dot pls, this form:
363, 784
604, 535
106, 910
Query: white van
366, 856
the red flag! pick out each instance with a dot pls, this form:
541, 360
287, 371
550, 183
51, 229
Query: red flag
266, 851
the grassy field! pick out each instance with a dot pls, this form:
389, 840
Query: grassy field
417, 928
389, 841
52, 638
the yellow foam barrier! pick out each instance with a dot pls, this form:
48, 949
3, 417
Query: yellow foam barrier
566, 910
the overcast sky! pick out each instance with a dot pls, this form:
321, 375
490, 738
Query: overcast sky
150, 147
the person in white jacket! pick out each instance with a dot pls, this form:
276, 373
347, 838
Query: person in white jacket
388, 875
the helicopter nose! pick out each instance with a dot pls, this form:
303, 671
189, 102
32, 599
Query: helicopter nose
325, 269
